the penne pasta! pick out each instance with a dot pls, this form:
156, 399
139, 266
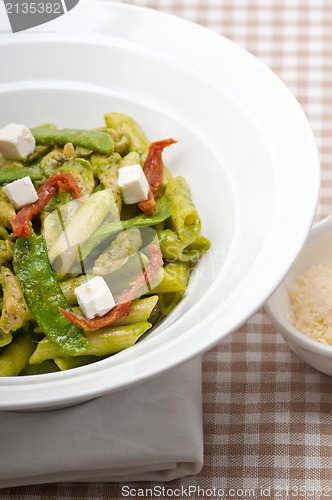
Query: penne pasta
103, 342
16, 355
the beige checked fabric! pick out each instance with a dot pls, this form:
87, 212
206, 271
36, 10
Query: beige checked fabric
267, 416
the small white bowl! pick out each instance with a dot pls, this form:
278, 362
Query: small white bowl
316, 251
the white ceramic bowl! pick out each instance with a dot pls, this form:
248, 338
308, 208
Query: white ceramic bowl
316, 251
245, 148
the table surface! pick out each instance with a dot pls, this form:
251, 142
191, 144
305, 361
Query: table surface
267, 416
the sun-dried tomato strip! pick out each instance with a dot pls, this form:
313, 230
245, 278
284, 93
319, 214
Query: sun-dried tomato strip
153, 165
153, 170
66, 182
147, 206
123, 302
117, 312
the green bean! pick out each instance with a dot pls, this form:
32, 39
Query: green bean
121, 141
17, 171
96, 141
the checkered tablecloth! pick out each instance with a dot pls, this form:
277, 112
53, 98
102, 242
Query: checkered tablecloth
267, 416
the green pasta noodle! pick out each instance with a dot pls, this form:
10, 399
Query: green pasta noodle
128, 127
16, 355
69, 362
173, 248
82, 171
5, 338
130, 159
168, 283
185, 218
7, 211
47, 366
6, 251
15, 311
68, 288
170, 299
106, 169
140, 311
108, 340
4, 235
51, 162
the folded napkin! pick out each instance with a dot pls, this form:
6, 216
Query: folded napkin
151, 432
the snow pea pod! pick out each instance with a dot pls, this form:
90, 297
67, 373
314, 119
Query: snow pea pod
90, 139
16, 171
44, 296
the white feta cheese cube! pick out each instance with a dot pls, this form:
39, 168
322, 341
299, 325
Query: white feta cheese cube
16, 141
94, 297
21, 192
133, 183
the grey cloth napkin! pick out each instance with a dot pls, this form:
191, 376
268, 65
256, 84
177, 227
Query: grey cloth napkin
151, 432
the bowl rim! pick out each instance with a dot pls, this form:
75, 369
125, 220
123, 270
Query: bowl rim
199, 348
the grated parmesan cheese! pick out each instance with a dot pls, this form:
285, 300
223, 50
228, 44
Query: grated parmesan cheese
311, 304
